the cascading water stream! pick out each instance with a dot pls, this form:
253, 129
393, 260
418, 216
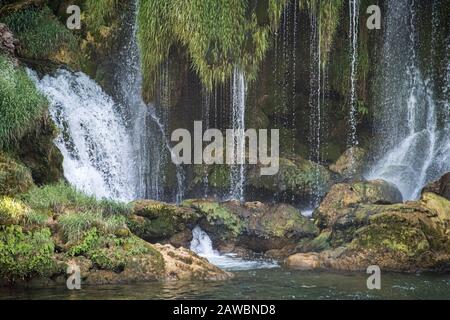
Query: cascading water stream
202, 245
152, 150
415, 147
353, 34
237, 174
315, 102
93, 139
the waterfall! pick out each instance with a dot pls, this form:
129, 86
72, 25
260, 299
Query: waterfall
149, 129
315, 103
353, 34
415, 148
202, 245
93, 138
237, 174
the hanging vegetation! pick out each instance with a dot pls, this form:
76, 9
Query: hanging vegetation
217, 35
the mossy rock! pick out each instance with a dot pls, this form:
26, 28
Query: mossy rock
39, 153
156, 221
351, 163
343, 198
217, 217
14, 177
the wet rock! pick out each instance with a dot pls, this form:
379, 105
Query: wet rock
351, 163
303, 261
157, 221
183, 264
440, 187
255, 226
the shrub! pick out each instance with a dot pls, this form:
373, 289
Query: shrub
25, 254
21, 105
11, 211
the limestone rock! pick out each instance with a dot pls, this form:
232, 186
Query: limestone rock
344, 197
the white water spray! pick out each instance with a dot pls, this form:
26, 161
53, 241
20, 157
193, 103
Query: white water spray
93, 138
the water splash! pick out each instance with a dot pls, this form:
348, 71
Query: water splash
201, 244
98, 158
415, 148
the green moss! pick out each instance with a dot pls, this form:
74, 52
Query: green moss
155, 221
25, 254
109, 252
41, 35
21, 105
216, 214
218, 35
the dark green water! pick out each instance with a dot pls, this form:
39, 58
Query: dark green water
260, 284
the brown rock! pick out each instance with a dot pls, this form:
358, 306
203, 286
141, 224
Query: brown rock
303, 261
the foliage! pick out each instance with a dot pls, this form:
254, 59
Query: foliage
25, 254
21, 105
75, 225
11, 211
99, 12
328, 15
39, 32
218, 35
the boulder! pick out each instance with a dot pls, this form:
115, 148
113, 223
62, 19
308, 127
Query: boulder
351, 163
440, 187
156, 221
303, 261
342, 199
404, 237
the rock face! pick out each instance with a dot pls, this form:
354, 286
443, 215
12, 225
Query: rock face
297, 177
343, 198
156, 221
8, 44
406, 237
14, 177
440, 187
252, 226
351, 163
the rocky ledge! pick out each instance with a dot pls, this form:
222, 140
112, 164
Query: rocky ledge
365, 223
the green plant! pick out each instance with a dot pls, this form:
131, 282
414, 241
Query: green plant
39, 32
75, 225
11, 211
25, 254
21, 105
61, 196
